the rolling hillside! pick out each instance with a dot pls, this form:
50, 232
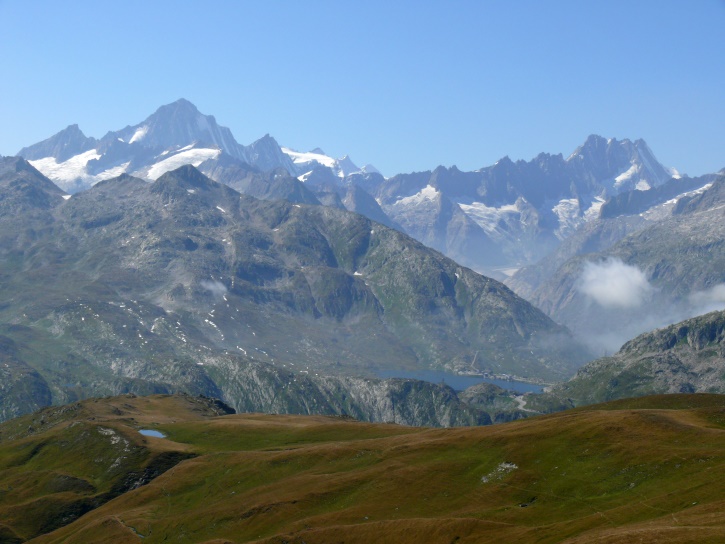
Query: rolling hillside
644, 470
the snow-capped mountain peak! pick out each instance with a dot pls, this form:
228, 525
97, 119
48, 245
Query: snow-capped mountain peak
305, 162
177, 125
175, 134
619, 165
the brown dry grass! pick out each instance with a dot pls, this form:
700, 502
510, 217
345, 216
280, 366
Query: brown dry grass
614, 473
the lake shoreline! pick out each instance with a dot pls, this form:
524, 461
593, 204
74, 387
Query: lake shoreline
461, 382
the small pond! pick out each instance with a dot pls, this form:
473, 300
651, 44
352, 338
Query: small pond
458, 382
151, 432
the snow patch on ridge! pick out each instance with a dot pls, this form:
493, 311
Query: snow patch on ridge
72, 175
428, 193
488, 217
111, 172
306, 158
188, 155
626, 176
593, 211
660, 211
569, 215
305, 161
66, 174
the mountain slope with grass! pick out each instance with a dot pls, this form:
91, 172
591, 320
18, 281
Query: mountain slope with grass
641, 470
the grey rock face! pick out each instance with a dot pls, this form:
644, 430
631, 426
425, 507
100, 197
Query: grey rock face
688, 357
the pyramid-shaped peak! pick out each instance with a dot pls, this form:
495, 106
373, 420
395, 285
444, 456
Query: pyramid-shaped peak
182, 104
178, 125
181, 111
187, 174
266, 139
72, 129
596, 139
16, 164
594, 145
188, 182
68, 142
24, 186
595, 142
347, 166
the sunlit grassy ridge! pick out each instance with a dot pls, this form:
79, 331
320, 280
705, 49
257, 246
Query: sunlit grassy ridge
648, 470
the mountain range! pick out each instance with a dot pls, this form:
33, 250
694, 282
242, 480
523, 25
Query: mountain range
495, 219
186, 284
169, 261
601, 219
175, 135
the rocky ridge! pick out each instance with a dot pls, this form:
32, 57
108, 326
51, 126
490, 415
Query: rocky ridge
687, 357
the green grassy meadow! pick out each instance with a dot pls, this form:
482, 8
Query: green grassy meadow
645, 470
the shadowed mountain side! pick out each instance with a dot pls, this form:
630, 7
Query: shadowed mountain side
24, 190
591, 238
275, 184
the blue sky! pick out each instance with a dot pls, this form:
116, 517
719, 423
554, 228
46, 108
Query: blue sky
403, 85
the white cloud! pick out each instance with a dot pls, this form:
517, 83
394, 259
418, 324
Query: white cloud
708, 301
614, 284
217, 288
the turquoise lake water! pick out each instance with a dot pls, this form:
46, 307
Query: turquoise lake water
151, 432
457, 382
